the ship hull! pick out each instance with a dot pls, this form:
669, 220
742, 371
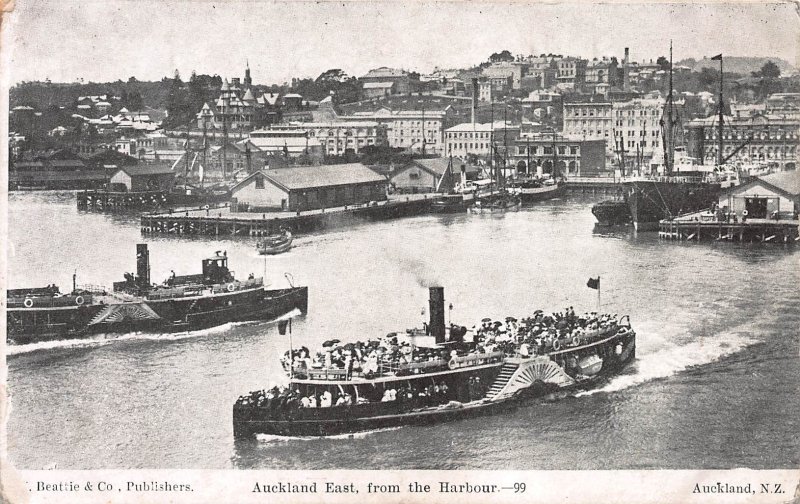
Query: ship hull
29, 325
533, 194
249, 420
651, 201
611, 213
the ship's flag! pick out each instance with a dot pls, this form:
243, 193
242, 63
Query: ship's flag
282, 325
593, 283
718, 57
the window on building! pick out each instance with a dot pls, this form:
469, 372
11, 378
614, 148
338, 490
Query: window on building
259, 182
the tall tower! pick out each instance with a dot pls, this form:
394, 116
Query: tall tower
248, 81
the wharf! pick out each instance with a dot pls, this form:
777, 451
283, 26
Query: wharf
704, 226
593, 185
222, 221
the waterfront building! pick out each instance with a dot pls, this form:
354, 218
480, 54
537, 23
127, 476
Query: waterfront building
339, 137
538, 153
425, 175
55, 170
143, 177
286, 142
763, 196
476, 138
758, 140
309, 188
637, 129
591, 120
416, 124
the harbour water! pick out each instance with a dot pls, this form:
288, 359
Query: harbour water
715, 384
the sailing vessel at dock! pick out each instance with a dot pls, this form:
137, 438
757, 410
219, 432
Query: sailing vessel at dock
679, 189
437, 374
184, 303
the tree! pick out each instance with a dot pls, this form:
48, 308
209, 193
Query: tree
662, 63
768, 71
504, 55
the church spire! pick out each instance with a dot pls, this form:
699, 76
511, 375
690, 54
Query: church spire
248, 81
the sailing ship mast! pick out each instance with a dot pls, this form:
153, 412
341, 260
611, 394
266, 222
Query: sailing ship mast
668, 131
720, 160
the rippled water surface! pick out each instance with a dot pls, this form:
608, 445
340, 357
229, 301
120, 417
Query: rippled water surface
716, 382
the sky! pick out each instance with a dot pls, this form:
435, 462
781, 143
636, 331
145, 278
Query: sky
106, 40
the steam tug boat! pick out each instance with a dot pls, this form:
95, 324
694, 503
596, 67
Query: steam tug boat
185, 303
441, 376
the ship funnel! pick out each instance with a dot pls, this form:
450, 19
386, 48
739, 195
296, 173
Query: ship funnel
436, 326
142, 265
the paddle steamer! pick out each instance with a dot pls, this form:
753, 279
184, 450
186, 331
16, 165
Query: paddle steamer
448, 379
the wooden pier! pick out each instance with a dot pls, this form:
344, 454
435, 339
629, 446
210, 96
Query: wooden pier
593, 185
221, 221
116, 200
751, 230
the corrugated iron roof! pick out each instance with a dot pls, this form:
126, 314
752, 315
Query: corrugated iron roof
147, 169
789, 181
309, 177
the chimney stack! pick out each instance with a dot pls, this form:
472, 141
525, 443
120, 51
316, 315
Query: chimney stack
474, 98
626, 76
436, 326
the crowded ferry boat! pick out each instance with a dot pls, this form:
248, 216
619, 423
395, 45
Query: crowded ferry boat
436, 373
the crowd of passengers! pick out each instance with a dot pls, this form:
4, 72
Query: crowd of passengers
536, 335
408, 395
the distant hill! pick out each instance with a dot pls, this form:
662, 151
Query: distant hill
743, 65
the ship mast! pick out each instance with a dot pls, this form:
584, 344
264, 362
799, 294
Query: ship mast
721, 117
669, 150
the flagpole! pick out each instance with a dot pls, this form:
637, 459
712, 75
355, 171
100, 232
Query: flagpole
291, 352
598, 294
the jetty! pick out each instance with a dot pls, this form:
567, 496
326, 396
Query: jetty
710, 227
222, 220
102, 200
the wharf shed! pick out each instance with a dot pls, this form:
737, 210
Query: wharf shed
763, 196
143, 177
309, 188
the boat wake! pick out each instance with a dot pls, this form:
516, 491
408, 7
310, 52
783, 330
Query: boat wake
103, 339
671, 360
271, 438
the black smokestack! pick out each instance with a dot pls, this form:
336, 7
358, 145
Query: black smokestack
436, 326
142, 265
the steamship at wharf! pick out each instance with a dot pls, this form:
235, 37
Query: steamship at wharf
437, 374
682, 188
184, 303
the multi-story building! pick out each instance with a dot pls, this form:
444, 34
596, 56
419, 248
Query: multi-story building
571, 73
601, 74
416, 124
759, 139
637, 129
338, 137
538, 153
476, 138
589, 120
395, 80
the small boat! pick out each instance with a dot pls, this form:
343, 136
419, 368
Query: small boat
437, 374
275, 244
502, 201
612, 213
183, 303
531, 190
